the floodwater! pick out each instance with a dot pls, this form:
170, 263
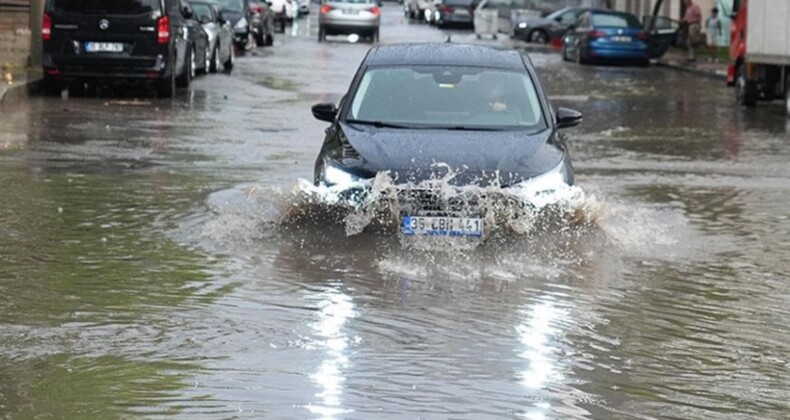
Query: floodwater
149, 266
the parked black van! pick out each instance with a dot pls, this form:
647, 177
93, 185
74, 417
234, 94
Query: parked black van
151, 41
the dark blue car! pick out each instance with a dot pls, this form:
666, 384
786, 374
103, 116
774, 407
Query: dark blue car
602, 35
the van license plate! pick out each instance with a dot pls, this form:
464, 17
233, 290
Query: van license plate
442, 226
95, 47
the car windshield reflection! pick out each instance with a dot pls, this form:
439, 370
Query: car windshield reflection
449, 97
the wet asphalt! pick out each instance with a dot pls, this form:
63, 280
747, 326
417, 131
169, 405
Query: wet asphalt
145, 271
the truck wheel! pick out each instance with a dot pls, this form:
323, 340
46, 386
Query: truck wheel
744, 89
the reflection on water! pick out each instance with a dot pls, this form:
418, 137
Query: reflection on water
335, 309
536, 333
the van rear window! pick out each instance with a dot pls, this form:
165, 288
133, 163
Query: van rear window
109, 7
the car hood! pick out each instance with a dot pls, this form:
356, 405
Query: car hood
472, 157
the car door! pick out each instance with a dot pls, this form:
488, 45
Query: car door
573, 37
662, 36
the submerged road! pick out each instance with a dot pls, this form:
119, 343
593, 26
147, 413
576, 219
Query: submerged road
144, 273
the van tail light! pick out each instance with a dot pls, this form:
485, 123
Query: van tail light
163, 30
256, 8
448, 9
46, 27
642, 36
375, 10
326, 9
596, 34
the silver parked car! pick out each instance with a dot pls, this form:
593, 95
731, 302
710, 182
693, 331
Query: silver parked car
219, 49
544, 30
346, 17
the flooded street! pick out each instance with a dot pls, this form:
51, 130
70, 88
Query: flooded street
148, 268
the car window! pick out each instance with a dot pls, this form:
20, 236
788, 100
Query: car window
448, 96
110, 7
231, 5
615, 21
202, 11
569, 17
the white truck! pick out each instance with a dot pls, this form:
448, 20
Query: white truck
760, 51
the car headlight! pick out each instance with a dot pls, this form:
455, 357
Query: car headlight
241, 25
522, 25
546, 182
337, 177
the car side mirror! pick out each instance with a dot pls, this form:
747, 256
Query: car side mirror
186, 12
568, 117
325, 112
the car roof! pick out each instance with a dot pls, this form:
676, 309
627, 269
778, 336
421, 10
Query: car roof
445, 54
610, 12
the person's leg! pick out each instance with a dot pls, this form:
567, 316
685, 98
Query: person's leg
693, 36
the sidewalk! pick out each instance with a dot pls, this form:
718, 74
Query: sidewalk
18, 83
676, 58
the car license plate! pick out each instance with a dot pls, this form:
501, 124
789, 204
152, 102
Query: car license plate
94, 47
442, 226
621, 38
350, 12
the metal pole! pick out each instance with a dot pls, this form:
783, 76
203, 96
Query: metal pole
36, 12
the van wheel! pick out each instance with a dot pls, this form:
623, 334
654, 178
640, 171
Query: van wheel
744, 89
165, 88
185, 78
51, 85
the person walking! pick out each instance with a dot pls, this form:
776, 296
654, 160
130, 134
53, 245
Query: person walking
712, 33
692, 18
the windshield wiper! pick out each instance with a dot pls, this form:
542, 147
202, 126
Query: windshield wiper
380, 124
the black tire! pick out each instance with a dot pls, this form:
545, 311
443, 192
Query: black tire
51, 85
215, 63
375, 38
185, 78
745, 93
228, 65
268, 40
166, 87
260, 38
321, 34
206, 61
538, 36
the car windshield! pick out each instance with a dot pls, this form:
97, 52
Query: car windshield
615, 21
110, 7
202, 12
449, 97
231, 5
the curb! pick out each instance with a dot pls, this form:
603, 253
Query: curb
712, 74
20, 90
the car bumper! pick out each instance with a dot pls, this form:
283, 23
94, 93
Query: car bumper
618, 53
105, 67
461, 19
349, 25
